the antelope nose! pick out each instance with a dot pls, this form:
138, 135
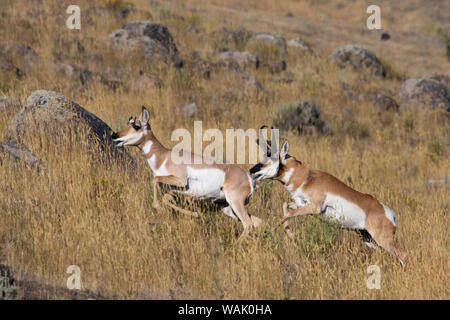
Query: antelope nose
114, 135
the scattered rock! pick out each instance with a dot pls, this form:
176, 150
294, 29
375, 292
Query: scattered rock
427, 93
20, 152
23, 59
225, 39
19, 58
23, 56
442, 78
359, 58
270, 49
274, 40
188, 110
238, 60
299, 46
276, 66
304, 117
150, 39
201, 67
83, 76
54, 114
385, 103
112, 78
438, 182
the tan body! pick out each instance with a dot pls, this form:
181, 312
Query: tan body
195, 176
317, 192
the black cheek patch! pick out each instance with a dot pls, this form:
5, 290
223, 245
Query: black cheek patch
256, 168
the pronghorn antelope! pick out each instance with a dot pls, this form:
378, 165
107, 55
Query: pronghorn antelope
317, 192
198, 176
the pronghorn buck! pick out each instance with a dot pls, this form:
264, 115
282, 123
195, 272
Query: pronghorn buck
196, 176
317, 192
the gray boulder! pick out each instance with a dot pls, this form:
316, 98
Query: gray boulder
359, 58
226, 39
55, 115
150, 39
238, 60
274, 40
22, 59
442, 78
299, 46
22, 55
188, 110
426, 93
302, 117
384, 103
19, 152
270, 49
19, 58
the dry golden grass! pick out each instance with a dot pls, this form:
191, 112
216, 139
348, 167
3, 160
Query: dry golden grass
79, 212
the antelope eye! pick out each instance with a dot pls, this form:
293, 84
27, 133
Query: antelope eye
136, 127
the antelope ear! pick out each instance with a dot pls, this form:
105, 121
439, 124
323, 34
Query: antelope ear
145, 115
284, 150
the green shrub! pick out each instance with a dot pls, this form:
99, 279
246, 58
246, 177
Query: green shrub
357, 130
317, 233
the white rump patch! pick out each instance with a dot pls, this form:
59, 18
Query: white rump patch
348, 213
389, 214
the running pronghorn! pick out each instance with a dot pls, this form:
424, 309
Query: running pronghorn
196, 176
316, 192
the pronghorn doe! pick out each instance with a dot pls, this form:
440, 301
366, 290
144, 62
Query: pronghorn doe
198, 176
316, 192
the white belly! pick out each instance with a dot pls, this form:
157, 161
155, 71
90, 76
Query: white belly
349, 214
205, 183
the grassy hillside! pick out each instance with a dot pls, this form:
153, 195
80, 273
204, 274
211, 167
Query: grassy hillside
80, 212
